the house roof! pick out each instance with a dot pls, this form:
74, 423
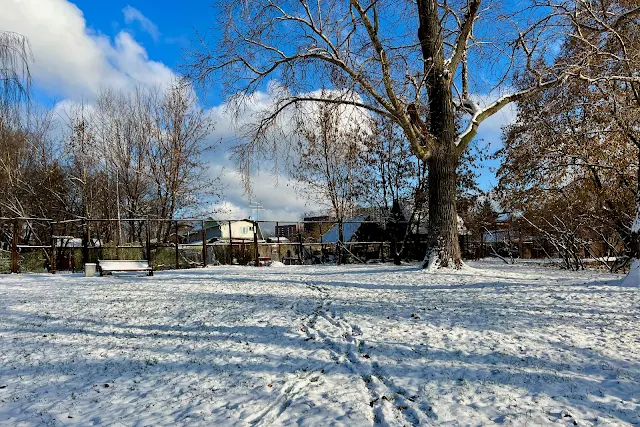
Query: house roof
210, 223
349, 229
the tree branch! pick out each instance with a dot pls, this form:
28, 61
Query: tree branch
479, 115
460, 46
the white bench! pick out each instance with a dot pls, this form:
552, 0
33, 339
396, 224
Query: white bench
108, 266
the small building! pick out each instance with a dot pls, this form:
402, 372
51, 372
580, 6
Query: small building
288, 231
242, 230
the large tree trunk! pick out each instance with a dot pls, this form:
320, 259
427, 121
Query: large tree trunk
633, 278
443, 248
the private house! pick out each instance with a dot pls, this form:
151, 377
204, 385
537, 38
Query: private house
222, 231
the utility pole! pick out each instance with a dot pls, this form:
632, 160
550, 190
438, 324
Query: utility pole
256, 206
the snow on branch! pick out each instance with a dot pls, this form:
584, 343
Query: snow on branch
478, 115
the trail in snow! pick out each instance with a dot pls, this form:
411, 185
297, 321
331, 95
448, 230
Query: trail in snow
389, 404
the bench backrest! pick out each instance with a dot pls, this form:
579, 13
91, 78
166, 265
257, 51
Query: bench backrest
123, 265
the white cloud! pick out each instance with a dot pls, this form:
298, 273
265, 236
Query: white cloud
277, 194
131, 14
72, 60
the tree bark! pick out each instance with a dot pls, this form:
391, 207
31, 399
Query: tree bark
443, 249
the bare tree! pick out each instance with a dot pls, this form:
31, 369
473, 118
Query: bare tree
391, 172
178, 128
137, 154
120, 120
31, 169
393, 181
410, 62
566, 163
15, 91
328, 160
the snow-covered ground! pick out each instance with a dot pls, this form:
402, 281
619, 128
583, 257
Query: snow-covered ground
354, 345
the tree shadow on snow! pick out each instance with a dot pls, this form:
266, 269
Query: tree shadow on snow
206, 343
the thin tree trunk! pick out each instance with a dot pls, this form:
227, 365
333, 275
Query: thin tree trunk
443, 247
340, 241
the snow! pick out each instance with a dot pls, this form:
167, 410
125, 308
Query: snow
321, 345
633, 278
471, 107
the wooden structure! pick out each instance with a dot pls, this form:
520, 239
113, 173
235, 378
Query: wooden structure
106, 267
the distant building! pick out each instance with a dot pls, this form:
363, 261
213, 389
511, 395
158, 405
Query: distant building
289, 231
242, 230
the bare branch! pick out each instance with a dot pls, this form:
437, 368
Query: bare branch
460, 46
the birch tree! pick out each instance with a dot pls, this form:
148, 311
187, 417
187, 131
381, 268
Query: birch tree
412, 62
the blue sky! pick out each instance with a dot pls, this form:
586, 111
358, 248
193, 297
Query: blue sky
175, 23
83, 45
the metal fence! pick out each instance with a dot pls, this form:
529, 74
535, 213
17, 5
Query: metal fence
41, 244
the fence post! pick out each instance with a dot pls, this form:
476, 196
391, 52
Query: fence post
14, 248
278, 242
256, 252
204, 244
301, 248
230, 245
85, 243
321, 243
339, 242
177, 247
53, 248
148, 249
118, 241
